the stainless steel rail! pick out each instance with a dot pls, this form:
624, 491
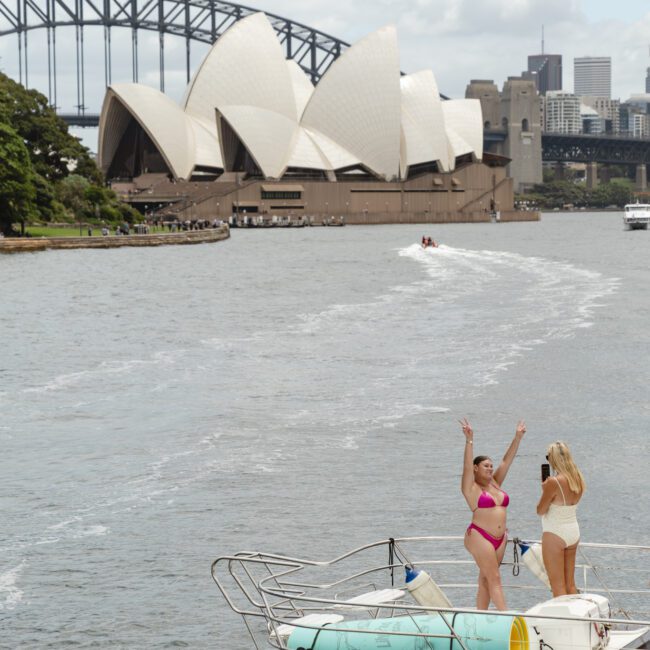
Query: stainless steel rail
269, 588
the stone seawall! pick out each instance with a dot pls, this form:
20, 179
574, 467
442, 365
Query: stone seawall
439, 217
28, 244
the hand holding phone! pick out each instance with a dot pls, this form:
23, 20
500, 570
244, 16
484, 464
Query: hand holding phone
546, 471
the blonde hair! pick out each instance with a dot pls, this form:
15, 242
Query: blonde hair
562, 462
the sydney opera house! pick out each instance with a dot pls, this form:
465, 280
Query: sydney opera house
254, 135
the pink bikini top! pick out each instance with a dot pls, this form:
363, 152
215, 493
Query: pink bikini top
486, 500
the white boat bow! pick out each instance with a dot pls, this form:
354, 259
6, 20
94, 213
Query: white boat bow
360, 600
636, 216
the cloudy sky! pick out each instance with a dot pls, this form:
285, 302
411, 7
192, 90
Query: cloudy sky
491, 39
458, 39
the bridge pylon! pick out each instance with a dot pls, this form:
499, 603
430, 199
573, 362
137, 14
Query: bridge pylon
641, 178
592, 175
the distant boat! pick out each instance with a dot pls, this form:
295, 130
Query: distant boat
636, 216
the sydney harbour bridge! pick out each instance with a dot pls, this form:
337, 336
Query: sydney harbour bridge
49, 40
192, 21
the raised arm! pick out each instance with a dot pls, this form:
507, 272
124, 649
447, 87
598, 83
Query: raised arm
467, 481
504, 466
549, 488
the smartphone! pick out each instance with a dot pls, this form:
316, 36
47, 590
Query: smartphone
546, 471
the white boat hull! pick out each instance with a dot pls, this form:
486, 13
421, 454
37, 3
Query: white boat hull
636, 216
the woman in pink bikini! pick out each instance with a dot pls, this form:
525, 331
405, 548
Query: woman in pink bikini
486, 536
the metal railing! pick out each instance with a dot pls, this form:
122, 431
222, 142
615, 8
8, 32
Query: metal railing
268, 590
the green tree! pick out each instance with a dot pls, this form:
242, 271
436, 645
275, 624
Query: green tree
71, 192
613, 193
60, 180
17, 191
49, 209
52, 149
558, 193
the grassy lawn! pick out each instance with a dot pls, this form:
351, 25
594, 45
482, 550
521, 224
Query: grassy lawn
44, 231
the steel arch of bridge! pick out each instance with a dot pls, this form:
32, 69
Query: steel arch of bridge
608, 149
194, 20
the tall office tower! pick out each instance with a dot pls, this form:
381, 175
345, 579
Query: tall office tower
647, 80
592, 76
546, 71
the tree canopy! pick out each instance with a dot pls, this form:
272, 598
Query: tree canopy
17, 187
39, 158
556, 194
51, 147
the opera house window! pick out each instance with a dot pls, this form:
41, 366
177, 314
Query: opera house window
280, 195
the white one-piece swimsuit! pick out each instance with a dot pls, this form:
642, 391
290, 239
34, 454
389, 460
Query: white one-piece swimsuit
561, 520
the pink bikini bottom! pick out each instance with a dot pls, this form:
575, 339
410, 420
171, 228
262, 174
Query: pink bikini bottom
496, 542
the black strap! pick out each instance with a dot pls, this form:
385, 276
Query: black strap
515, 559
313, 643
391, 560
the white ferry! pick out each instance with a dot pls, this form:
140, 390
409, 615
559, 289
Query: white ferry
375, 597
636, 216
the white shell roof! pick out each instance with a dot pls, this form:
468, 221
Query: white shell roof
357, 102
302, 87
268, 136
162, 119
208, 151
307, 154
464, 125
360, 114
423, 122
337, 155
245, 67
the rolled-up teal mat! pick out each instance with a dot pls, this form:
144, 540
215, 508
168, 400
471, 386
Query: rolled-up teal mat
478, 631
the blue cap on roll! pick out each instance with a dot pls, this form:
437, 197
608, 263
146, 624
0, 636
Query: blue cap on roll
411, 573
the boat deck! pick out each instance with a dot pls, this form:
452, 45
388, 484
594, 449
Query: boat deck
276, 595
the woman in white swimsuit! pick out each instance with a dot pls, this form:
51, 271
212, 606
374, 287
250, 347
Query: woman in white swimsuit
561, 533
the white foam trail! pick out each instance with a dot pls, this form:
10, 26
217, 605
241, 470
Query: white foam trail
107, 368
550, 300
406, 410
349, 442
91, 531
64, 524
47, 540
9, 589
552, 289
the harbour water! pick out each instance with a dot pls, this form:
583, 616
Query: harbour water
298, 391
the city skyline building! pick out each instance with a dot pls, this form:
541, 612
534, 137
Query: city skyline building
562, 112
638, 125
647, 80
592, 76
546, 71
635, 116
608, 110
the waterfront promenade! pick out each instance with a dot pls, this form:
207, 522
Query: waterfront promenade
30, 244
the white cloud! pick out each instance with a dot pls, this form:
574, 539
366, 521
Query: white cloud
458, 39
478, 39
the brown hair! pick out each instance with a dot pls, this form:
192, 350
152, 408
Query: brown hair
479, 459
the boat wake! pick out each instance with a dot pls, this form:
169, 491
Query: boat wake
10, 594
506, 303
